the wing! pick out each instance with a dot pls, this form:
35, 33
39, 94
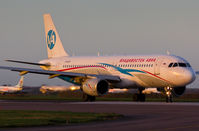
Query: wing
53, 74
30, 63
197, 72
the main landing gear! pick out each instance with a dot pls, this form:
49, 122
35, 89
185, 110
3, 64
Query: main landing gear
88, 97
169, 97
139, 96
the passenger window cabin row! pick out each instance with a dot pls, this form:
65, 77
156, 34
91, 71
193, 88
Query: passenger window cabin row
120, 65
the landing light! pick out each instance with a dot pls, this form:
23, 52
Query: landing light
72, 88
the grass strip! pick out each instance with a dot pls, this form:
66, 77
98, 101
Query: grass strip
18, 118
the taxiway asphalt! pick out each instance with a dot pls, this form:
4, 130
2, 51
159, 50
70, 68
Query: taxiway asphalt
147, 116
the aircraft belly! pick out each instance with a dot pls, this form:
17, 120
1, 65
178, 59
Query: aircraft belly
151, 81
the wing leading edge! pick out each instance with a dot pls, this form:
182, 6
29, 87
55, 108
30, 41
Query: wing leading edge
53, 74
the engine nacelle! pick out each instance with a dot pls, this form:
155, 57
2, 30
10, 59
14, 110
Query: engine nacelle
178, 91
95, 87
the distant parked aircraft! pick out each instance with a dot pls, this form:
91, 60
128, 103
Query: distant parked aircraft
12, 89
46, 89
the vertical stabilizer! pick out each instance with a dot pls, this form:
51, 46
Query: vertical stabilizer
20, 83
54, 44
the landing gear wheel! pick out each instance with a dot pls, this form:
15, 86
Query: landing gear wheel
139, 97
92, 98
88, 97
169, 99
135, 97
142, 97
85, 97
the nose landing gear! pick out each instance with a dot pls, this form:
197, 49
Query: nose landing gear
169, 97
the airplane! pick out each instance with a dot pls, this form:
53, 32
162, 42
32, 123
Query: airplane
45, 89
12, 89
170, 74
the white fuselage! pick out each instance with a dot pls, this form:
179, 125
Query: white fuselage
45, 89
134, 71
9, 89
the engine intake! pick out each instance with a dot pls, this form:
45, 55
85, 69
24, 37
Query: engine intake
178, 91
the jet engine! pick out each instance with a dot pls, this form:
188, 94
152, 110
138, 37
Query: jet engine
95, 87
178, 91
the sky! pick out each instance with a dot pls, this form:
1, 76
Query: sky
111, 27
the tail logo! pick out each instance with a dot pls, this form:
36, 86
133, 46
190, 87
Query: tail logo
51, 39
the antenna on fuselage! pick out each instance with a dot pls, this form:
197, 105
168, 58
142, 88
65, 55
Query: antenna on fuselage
73, 54
98, 53
168, 53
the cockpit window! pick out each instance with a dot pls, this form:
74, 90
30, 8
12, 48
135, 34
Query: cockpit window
175, 64
179, 65
188, 65
182, 65
170, 65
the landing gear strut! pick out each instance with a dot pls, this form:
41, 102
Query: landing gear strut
139, 96
169, 97
88, 97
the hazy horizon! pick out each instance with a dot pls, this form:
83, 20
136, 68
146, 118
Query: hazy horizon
111, 27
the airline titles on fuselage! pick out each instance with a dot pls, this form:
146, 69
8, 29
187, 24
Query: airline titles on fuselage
138, 60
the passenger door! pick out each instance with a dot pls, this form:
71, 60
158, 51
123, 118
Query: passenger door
157, 66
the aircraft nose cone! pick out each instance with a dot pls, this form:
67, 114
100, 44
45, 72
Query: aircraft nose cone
188, 76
